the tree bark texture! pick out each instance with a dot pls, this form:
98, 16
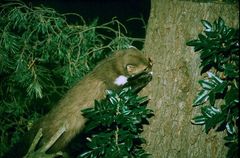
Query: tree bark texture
176, 72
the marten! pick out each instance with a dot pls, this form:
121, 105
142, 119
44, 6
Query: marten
112, 73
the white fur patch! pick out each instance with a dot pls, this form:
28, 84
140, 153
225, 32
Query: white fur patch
120, 80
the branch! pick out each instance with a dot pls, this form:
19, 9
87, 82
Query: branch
41, 152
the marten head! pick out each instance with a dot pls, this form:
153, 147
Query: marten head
132, 66
134, 62
124, 64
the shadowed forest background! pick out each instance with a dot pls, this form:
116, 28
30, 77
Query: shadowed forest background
161, 29
132, 13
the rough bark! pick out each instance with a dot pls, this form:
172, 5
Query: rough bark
176, 72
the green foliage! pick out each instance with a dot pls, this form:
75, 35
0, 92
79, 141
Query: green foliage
114, 125
219, 52
215, 1
41, 57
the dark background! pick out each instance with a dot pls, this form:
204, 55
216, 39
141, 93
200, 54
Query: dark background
104, 10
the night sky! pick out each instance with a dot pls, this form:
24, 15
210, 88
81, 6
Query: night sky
104, 10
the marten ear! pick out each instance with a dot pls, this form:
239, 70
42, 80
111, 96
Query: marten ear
130, 68
150, 61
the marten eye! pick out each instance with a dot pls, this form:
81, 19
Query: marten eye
130, 68
150, 62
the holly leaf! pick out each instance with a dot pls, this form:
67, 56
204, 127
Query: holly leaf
220, 24
195, 42
231, 71
213, 117
207, 25
198, 120
232, 96
201, 98
230, 128
210, 87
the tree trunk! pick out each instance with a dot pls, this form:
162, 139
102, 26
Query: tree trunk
176, 72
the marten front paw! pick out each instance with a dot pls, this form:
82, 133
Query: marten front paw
139, 81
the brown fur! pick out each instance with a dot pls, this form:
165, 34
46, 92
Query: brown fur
83, 94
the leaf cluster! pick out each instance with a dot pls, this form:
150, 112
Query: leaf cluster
41, 56
114, 125
216, 1
218, 47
